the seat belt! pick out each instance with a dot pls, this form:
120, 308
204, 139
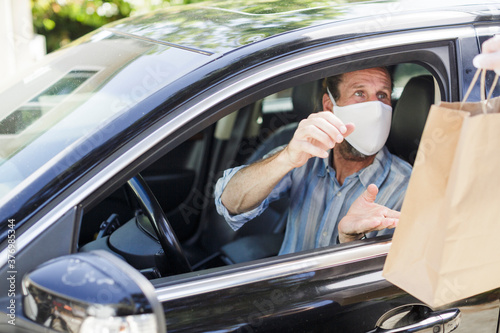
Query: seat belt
234, 143
228, 153
228, 149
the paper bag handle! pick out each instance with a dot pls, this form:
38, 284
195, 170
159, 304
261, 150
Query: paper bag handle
484, 99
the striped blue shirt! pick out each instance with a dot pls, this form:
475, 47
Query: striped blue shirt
318, 202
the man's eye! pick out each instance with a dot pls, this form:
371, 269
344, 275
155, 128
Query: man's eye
382, 96
358, 93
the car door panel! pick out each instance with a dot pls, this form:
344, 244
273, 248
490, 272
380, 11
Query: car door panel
344, 292
314, 300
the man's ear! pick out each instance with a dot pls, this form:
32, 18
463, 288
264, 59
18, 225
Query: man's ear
327, 103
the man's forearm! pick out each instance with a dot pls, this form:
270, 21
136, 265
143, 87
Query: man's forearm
313, 138
252, 184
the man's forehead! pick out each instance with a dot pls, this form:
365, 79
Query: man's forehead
365, 77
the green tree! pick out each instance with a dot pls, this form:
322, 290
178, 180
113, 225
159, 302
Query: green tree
62, 21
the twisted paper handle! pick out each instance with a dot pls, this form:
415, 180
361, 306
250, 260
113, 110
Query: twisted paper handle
484, 100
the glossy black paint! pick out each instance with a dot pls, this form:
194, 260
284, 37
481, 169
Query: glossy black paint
350, 297
237, 24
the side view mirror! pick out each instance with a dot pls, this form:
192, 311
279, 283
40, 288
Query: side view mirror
91, 292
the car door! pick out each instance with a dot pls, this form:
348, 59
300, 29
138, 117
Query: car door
334, 289
337, 289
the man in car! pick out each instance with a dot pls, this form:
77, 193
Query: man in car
343, 182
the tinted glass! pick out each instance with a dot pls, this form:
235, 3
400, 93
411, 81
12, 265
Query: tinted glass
74, 93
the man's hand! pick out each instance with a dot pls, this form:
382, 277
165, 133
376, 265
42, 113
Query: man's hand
315, 136
365, 216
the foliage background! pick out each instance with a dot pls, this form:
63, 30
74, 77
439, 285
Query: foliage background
62, 21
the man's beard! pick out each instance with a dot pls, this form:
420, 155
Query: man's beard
349, 153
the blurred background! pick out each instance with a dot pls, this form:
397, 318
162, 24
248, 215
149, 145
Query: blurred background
31, 28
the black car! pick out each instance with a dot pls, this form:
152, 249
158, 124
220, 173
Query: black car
110, 149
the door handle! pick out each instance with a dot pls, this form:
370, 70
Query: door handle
417, 318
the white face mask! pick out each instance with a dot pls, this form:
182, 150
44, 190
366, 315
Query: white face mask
373, 123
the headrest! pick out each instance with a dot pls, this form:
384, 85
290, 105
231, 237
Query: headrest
409, 116
306, 99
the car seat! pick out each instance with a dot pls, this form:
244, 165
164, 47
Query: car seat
409, 116
306, 99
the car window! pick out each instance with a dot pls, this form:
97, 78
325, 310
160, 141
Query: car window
402, 73
278, 102
184, 179
44, 102
63, 101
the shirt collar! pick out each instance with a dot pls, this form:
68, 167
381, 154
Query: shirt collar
375, 173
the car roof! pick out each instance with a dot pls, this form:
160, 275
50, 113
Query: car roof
221, 26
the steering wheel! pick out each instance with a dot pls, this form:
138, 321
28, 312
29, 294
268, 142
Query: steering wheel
177, 261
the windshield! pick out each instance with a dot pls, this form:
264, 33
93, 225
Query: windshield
73, 94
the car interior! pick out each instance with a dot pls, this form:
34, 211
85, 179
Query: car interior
183, 181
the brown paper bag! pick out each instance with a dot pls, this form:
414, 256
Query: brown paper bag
446, 246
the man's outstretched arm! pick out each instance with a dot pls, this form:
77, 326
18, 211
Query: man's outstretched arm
313, 138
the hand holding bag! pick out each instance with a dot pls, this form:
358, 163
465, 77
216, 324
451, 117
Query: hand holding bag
446, 246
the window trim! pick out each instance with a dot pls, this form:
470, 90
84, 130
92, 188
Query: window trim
178, 286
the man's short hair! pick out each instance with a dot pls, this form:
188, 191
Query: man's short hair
333, 82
